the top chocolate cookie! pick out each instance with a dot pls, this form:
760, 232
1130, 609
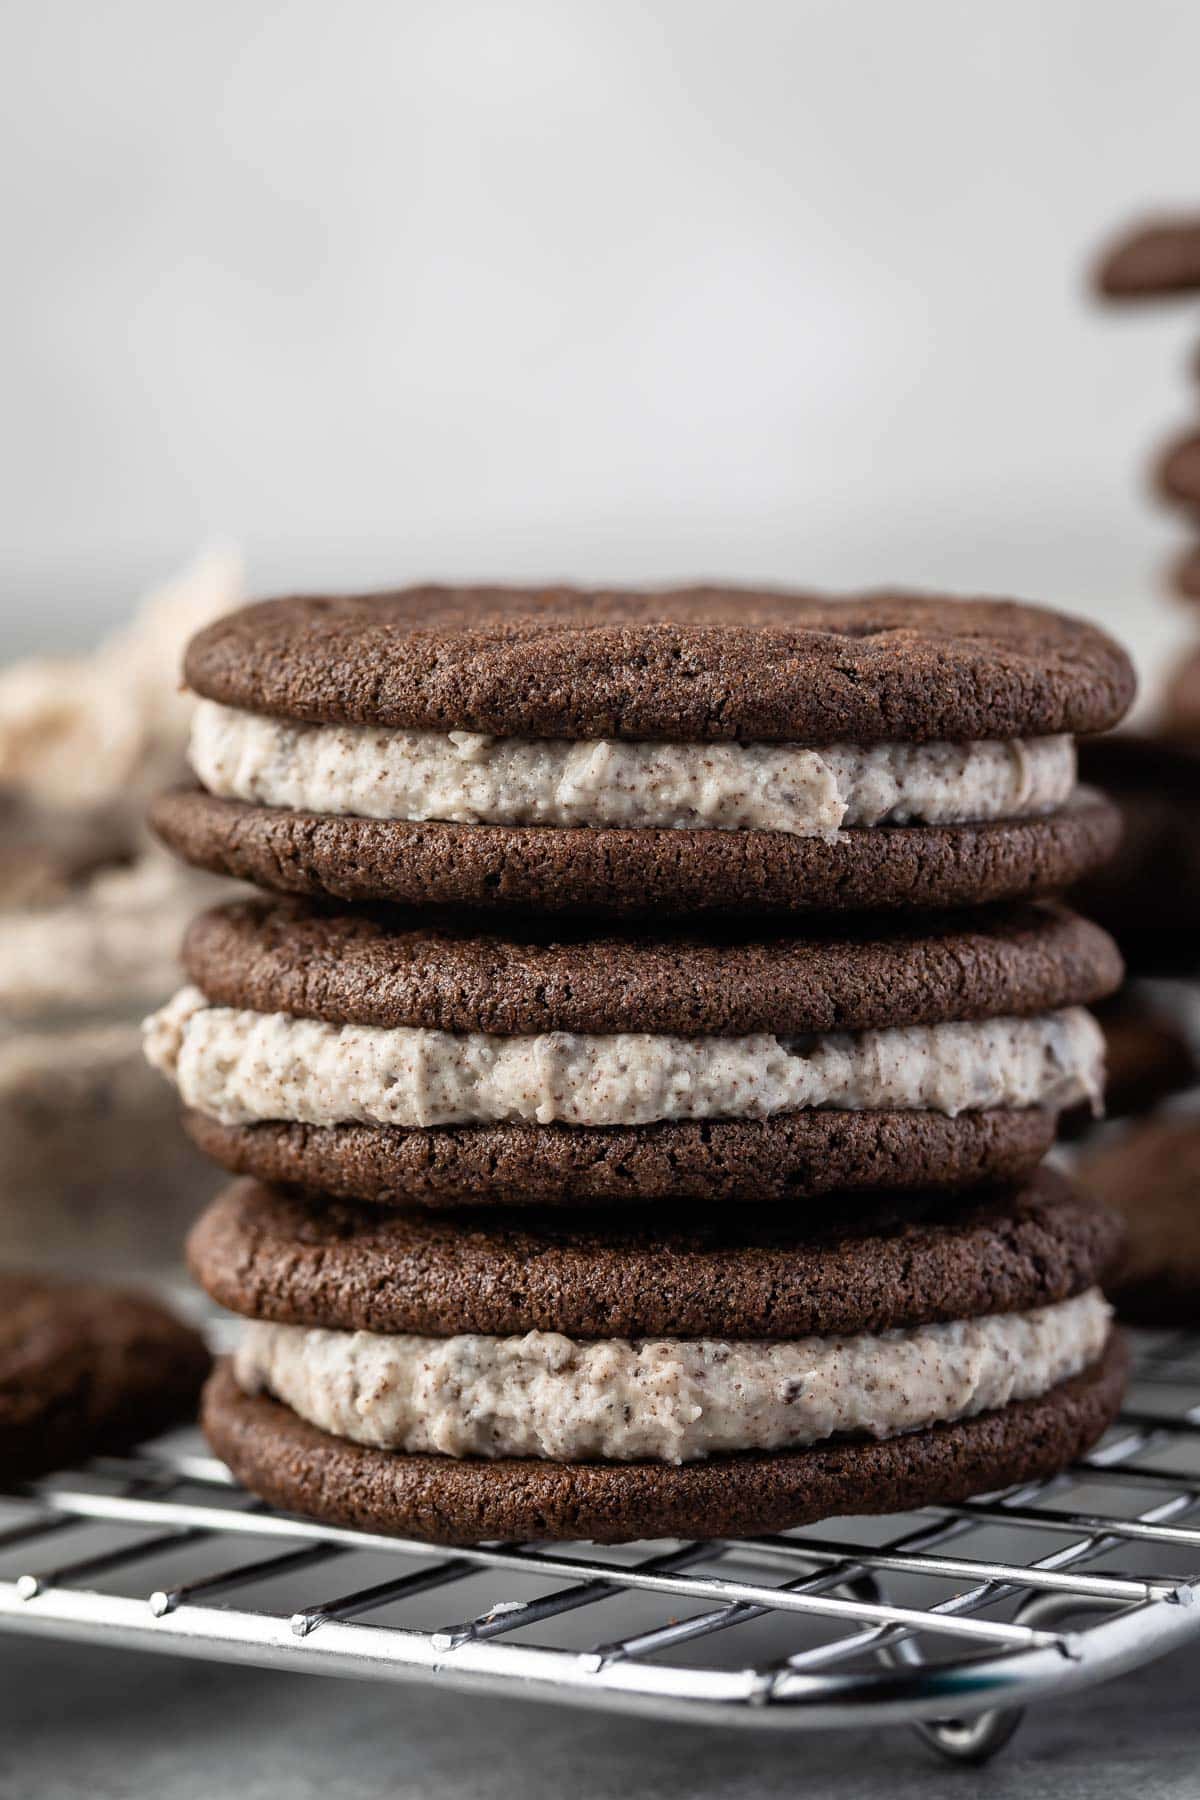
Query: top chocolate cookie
700, 665
1156, 258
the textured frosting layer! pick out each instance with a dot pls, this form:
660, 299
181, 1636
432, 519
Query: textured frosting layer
239, 1067
463, 777
670, 1400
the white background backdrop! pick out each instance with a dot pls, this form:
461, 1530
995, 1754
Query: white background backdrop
595, 288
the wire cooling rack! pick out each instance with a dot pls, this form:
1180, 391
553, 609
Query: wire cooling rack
951, 1619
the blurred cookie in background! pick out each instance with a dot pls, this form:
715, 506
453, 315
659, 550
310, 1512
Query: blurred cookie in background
1157, 258
1185, 574
1151, 1176
95, 1176
1148, 895
88, 1370
1181, 702
44, 855
1150, 1055
98, 734
1154, 259
1177, 471
110, 939
93, 1172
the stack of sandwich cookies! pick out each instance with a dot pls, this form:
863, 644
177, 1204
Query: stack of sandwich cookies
700, 750
458, 1062
481, 1379
627, 1145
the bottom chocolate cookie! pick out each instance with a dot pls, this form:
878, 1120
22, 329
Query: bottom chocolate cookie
447, 1500
87, 1369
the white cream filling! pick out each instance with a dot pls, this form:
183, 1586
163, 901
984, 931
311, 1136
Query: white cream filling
466, 778
241, 1067
672, 1400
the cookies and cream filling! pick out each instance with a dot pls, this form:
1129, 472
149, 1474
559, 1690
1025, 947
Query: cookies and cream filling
463, 777
672, 1400
241, 1067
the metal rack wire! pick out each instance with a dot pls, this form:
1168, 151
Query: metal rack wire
951, 1620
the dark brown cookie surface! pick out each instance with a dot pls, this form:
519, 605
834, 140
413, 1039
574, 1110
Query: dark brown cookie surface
699, 664
1151, 1176
743, 1274
464, 974
637, 872
294, 1465
86, 1369
1157, 257
795, 1157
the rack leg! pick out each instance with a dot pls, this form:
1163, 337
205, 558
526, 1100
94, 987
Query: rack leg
970, 1740
978, 1739
959, 1740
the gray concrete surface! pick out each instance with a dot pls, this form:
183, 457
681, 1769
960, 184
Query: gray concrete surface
114, 1725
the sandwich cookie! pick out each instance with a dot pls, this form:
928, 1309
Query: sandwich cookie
87, 1370
516, 1380
1151, 1177
1155, 259
692, 751
397, 1059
